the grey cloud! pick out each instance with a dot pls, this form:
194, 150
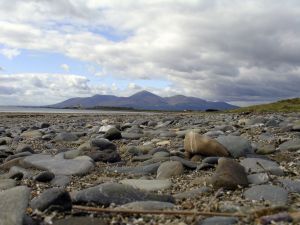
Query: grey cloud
215, 49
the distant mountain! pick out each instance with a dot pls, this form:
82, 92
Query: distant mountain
144, 100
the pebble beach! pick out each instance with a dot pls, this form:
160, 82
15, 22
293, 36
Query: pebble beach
149, 168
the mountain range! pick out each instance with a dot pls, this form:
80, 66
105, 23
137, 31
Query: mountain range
144, 100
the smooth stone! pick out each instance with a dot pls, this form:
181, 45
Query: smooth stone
45, 176
256, 165
196, 158
24, 148
59, 166
105, 128
195, 143
167, 134
107, 156
60, 181
54, 199
291, 145
258, 178
113, 134
13, 204
18, 155
229, 174
147, 205
204, 166
236, 145
7, 184
265, 149
274, 194
71, 154
211, 160
139, 170
34, 134
141, 158
169, 169
11, 163
79, 221
131, 136
163, 143
291, 185
154, 160
16, 171
219, 220
68, 137
214, 133
102, 144
5, 140
192, 193
186, 163
148, 185
107, 193
161, 154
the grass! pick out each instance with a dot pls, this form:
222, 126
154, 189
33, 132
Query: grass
288, 105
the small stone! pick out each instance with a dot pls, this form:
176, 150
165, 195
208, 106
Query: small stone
45, 176
237, 146
33, 134
139, 170
265, 149
229, 175
113, 134
102, 144
60, 181
169, 169
147, 205
192, 193
131, 136
256, 165
258, 178
274, 194
107, 193
194, 143
219, 220
68, 137
291, 145
24, 148
291, 185
148, 185
54, 199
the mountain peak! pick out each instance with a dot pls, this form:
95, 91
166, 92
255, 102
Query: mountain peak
143, 93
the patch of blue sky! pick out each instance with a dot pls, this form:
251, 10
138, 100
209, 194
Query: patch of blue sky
111, 34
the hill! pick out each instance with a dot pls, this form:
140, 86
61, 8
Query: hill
288, 105
144, 100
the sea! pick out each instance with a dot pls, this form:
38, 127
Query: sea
22, 109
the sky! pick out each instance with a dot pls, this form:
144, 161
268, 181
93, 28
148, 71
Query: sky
242, 52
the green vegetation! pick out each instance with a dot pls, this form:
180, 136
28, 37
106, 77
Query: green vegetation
288, 105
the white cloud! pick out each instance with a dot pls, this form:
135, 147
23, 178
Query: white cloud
10, 53
65, 67
215, 49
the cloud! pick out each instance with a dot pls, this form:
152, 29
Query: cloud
10, 53
65, 67
215, 49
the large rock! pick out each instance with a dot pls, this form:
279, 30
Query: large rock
52, 199
195, 143
13, 204
274, 194
58, 165
229, 175
237, 146
107, 193
148, 185
256, 165
68, 137
113, 134
7, 184
169, 169
102, 144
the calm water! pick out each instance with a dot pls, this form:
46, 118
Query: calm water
17, 109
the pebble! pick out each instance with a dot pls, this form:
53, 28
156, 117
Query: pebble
274, 194
218, 220
256, 165
45, 176
148, 185
237, 146
169, 169
54, 199
229, 174
291, 145
194, 143
107, 193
